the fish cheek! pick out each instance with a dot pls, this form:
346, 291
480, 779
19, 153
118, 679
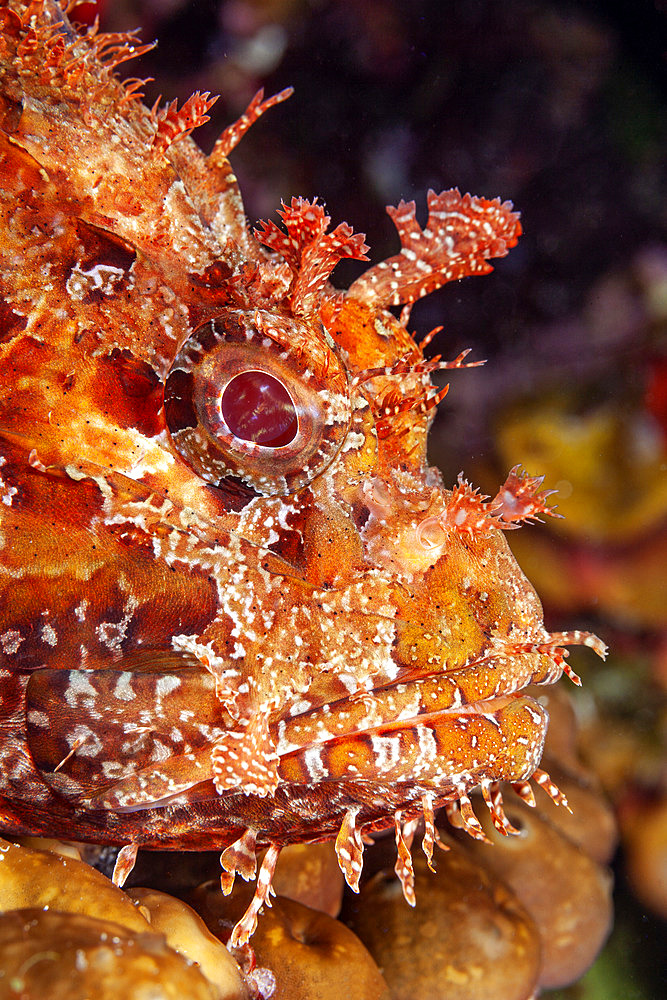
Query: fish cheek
129, 393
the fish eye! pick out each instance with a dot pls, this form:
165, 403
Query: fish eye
257, 407
257, 398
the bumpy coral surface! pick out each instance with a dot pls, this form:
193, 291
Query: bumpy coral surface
238, 607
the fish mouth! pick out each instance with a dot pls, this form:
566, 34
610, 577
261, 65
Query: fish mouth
501, 671
446, 732
446, 751
479, 689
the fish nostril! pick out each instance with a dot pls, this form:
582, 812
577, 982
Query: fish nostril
430, 533
361, 514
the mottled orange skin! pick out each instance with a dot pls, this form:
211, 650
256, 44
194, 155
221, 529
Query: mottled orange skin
319, 637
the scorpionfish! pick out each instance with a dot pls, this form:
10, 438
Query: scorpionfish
238, 608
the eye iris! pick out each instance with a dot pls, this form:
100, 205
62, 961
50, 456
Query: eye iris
257, 407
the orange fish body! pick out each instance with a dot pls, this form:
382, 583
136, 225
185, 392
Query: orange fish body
237, 607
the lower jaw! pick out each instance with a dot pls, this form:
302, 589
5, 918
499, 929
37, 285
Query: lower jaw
499, 739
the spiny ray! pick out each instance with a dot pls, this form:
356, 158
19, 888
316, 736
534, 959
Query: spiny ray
525, 792
461, 233
543, 779
461, 815
407, 366
174, 123
246, 926
350, 849
125, 862
494, 800
403, 866
233, 134
239, 858
429, 828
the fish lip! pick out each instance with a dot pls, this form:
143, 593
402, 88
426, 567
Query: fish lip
476, 688
485, 706
488, 707
513, 686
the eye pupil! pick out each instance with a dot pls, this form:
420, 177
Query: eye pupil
257, 407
